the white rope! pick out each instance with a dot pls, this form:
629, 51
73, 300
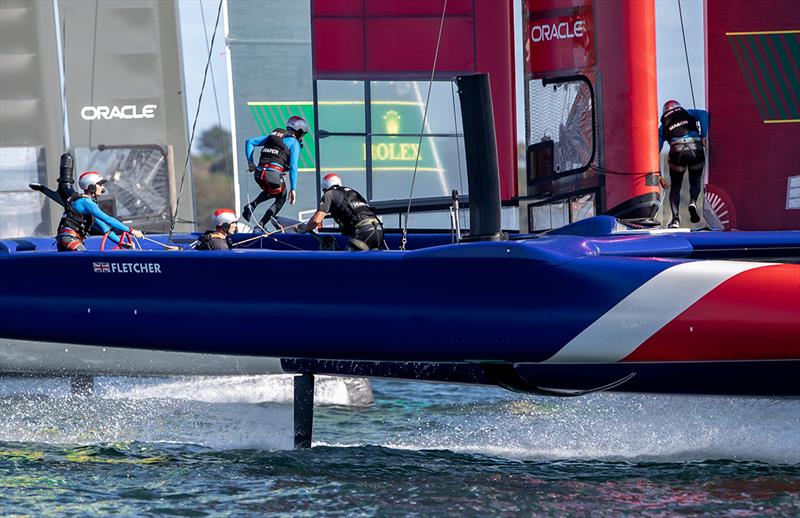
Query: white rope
422, 129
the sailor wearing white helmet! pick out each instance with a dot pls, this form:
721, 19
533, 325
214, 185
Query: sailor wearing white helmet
351, 211
82, 214
220, 238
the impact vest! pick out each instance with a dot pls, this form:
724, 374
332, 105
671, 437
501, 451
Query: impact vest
213, 240
677, 123
76, 222
274, 160
349, 209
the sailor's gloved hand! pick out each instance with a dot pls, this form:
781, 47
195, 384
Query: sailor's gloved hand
292, 197
251, 166
136, 233
126, 245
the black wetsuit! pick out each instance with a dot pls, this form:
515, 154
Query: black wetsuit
214, 240
681, 129
355, 217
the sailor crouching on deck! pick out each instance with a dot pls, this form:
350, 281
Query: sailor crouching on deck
81, 214
219, 239
351, 211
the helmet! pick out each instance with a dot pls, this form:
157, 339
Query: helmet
89, 179
298, 124
224, 216
669, 105
329, 180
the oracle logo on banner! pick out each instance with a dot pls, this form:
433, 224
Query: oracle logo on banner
560, 43
127, 112
560, 31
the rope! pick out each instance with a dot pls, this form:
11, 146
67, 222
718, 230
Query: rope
94, 60
422, 129
458, 146
168, 247
225, 149
686, 53
268, 234
194, 125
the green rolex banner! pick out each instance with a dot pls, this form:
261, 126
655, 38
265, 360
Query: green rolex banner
389, 118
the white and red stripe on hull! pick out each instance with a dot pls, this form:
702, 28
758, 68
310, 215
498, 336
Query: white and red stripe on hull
699, 311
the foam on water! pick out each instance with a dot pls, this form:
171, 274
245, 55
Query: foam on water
217, 412
628, 427
242, 413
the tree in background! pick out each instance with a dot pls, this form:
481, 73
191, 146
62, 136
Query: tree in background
212, 170
215, 143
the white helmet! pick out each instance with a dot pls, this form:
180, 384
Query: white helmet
90, 179
329, 180
224, 216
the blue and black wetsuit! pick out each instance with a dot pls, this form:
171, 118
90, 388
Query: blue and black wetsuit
81, 215
280, 152
684, 130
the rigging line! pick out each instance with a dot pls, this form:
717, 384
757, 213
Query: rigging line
422, 129
686, 53
194, 125
225, 149
458, 146
94, 61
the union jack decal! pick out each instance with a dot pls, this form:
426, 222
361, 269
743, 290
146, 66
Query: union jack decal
101, 267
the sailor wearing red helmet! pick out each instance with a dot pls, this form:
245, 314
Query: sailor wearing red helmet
220, 238
351, 211
686, 131
280, 153
82, 214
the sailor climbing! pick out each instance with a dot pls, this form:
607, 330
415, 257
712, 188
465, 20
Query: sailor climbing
280, 152
82, 214
686, 131
351, 211
220, 238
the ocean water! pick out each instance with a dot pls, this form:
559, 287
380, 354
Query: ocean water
221, 446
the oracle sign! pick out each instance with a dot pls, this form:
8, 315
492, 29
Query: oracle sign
126, 112
560, 43
558, 31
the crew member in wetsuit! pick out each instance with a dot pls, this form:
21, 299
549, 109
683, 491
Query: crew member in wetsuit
280, 151
686, 131
351, 211
220, 238
82, 214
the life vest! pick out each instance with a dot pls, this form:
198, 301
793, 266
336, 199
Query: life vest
678, 123
350, 209
73, 222
274, 161
217, 237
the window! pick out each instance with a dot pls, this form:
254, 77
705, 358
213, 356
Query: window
793, 193
23, 212
561, 112
371, 133
138, 183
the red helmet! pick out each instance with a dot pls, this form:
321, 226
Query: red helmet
669, 105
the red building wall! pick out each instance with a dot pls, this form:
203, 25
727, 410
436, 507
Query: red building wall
753, 89
396, 39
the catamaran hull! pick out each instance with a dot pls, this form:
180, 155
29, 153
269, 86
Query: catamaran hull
561, 312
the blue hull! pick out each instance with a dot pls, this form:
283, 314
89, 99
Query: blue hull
541, 307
